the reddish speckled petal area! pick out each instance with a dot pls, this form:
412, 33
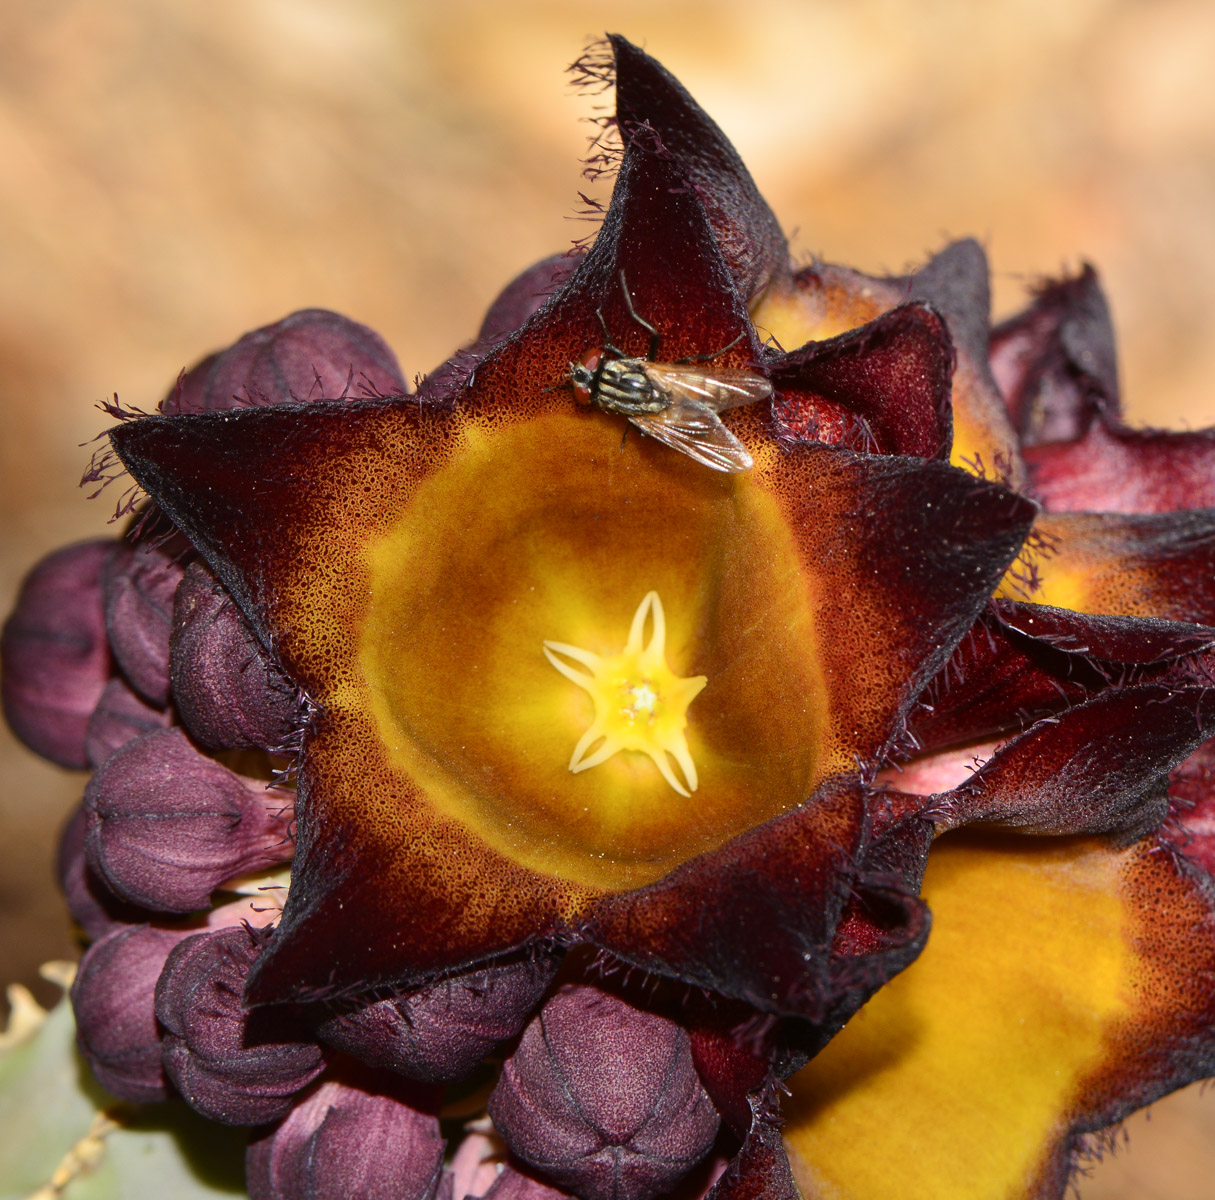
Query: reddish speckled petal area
1095, 958
1113, 468
826, 300
883, 388
1191, 825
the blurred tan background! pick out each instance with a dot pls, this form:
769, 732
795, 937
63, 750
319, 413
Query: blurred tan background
174, 174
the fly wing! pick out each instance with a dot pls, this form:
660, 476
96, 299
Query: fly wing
720, 389
696, 430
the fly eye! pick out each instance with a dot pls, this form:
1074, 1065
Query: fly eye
580, 381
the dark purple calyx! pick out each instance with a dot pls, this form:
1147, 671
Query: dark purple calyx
228, 693
440, 1032
232, 1064
140, 583
310, 355
55, 656
602, 1098
369, 1136
166, 825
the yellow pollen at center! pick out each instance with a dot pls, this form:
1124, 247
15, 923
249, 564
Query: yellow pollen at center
640, 703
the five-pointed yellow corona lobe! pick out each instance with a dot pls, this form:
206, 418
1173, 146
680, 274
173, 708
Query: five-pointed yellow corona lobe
640, 703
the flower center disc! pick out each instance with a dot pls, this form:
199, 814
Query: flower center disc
548, 532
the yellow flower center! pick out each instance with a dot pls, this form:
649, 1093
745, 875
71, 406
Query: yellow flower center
640, 703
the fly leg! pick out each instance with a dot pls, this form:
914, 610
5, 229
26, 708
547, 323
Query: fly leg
655, 336
716, 353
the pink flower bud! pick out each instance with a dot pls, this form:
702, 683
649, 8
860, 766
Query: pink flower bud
120, 717
139, 587
441, 1032
167, 825
227, 694
310, 355
232, 1064
603, 1099
55, 658
366, 1138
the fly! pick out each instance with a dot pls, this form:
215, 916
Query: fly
676, 403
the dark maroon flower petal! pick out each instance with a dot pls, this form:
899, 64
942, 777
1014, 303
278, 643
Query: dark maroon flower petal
365, 1138
1139, 640
602, 1098
760, 1170
115, 1020
167, 825
1112, 468
756, 920
441, 1032
956, 283
121, 716
1020, 662
310, 355
652, 105
140, 583
883, 388
233, 1065
731, 1053
1055, 362
227, 692
1100, 767
55, 657
93, 906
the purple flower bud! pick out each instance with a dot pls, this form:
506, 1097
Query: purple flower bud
603, 1099
310, 355
93, 906
227, 694
167, 825
525, 294
120, 717
441, 1032
232, 1064
113, 996
139, 587
365, 1138
115, 1020
56, 661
